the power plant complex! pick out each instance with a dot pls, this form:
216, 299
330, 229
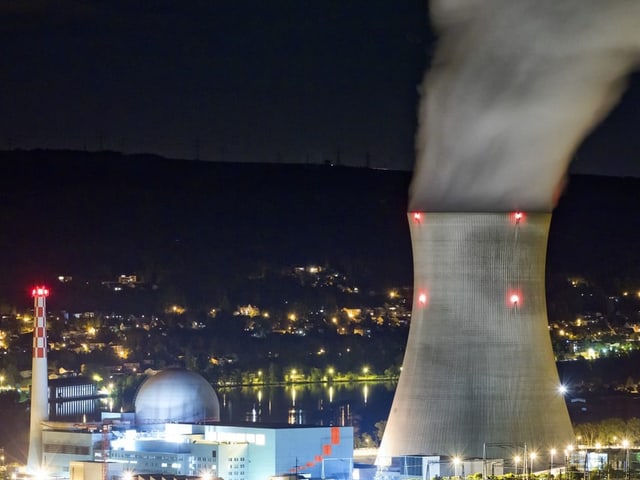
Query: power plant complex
478, 376
174, 433
478, 381
515, 87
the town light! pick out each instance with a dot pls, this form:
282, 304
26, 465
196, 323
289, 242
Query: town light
625, 444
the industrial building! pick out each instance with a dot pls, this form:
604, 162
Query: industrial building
175, 432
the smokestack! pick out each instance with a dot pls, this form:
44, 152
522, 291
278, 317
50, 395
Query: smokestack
479, 367
39, 380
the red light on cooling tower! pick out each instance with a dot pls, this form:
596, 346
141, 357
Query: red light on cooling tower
518, 217
514, 299
40, 292
417, 217
422, 298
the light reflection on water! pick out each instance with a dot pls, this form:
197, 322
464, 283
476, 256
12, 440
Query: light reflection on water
360, 404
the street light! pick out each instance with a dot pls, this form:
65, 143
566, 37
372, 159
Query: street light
458, 461
532, 456
552, 452
587, 465
567, 457
625, 444
516, 461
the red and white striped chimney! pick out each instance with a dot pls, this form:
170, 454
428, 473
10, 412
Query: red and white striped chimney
39, 379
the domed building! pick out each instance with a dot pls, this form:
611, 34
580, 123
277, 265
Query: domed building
175, 432
175, 395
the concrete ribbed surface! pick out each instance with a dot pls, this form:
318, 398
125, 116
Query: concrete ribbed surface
477, 369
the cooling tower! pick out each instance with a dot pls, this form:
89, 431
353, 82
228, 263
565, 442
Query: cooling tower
479, 368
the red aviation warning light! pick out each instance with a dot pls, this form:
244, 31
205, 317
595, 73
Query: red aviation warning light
40, 292
417, 217
422, 299
517, 217
514, 299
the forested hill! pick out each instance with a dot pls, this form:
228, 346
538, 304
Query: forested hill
595, 231
193, 225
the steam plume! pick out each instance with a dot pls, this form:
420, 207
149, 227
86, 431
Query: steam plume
514, 88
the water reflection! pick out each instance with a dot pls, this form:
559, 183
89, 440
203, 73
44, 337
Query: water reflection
296, 416
74, 409
358, 404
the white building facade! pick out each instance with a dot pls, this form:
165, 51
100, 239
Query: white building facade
230, 452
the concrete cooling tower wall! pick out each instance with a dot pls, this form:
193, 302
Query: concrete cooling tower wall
513, 88
479, 367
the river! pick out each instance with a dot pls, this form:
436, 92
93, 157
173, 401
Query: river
361, 404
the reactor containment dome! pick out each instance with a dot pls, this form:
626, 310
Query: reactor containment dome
175, 396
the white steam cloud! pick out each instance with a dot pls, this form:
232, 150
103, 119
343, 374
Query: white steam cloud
514, 88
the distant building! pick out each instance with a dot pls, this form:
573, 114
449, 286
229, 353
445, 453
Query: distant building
72, 396
129, 281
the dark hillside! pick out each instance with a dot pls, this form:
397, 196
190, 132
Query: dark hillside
595, 231
195, 227
193, 223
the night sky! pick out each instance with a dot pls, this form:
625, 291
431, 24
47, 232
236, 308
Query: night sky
237, 80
